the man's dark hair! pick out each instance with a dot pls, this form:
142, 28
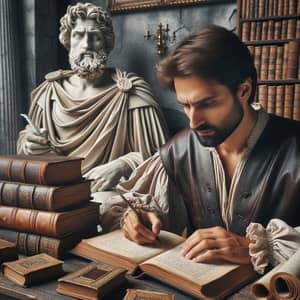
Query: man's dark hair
214, 53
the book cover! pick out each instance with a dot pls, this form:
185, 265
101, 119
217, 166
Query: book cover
32, 270
44, 170
8, 251
31, 244
164, 262
42, 197
91, 282
54, 224
135, 294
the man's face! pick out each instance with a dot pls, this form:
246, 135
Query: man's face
87, 47
213, 111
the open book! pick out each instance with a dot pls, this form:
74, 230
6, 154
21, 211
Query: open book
165, 262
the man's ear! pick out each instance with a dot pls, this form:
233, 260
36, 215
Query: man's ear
244, 91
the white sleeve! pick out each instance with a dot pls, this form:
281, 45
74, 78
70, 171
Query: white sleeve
148, 188
272, 245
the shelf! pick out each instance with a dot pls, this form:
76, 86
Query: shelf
278, 82
269, 42
270, 18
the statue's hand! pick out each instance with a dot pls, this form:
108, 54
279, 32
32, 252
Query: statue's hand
35, 144
108, 175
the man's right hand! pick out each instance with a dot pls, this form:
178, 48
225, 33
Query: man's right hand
135, 231
35, 144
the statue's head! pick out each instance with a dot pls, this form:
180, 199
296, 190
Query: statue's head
87, 33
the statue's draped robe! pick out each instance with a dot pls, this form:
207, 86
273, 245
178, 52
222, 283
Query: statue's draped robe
121, 119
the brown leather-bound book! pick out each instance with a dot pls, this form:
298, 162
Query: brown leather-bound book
92, 282
272, 62
8, 251
291, 28
296, 113
288, 101
55, 224
32, 270
261, 8
257, 59
284, 29
292, 60
253, 31
277, 30
280, 7
44, 170
31, 244
264, 62
279, 63
258, 30
271, 30
271, 98
279, 100
246, 31
293, 6
298, 28
134, 294
264, 30
286, 7
285, 60
42, 197
263, 95
164, 261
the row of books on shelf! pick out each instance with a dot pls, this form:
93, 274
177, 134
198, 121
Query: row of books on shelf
270, 30
45, 204
282, 100
269, 8
277, 62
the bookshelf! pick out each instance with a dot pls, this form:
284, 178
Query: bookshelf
271, 30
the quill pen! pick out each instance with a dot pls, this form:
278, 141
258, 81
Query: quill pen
37, 131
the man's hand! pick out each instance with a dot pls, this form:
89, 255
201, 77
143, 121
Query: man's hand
35, 144
135, 231
108, 175
216, 243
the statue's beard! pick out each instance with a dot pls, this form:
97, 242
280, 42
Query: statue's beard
88, 64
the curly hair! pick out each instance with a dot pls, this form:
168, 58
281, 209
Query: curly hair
86, 11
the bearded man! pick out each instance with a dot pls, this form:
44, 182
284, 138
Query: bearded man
233, 177
106, 116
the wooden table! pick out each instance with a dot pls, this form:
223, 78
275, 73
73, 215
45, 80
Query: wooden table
47, 291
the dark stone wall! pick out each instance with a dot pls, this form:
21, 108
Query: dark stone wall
132, 51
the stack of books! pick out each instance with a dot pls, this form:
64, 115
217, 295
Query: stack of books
45, 204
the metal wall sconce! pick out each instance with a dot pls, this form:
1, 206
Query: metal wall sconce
162, 38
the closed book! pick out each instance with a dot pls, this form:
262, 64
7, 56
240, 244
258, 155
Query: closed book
292, 60
165, 262
42, 197
33, 270
44, 170
91, 282
55, 224
31, 244
296, 112
8, 251
134, 294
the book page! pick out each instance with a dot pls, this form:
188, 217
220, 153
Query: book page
200, 273
115, 242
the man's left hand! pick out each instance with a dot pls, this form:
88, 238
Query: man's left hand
217, 243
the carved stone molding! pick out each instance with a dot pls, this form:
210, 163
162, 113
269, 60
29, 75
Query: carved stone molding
126, 5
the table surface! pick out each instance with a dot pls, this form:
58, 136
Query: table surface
47, 291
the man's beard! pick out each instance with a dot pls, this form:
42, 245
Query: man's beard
222, 132
88, 64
